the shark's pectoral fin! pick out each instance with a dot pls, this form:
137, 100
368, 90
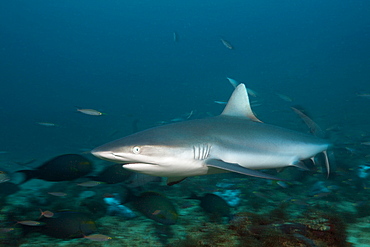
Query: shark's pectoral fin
174, 180
239, 169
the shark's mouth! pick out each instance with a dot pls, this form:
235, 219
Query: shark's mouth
137, 163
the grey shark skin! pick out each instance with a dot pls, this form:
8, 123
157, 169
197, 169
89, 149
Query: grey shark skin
235, 141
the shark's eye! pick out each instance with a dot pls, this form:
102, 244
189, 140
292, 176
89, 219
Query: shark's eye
136, 150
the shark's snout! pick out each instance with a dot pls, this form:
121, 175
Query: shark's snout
99, 153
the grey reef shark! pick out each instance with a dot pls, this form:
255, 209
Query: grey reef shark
235, 141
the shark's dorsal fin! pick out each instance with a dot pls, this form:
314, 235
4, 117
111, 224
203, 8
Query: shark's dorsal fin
238, 105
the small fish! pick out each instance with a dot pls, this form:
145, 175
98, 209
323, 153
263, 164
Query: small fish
47, 124
175, 37
98, 237
177, 119
282, 184
235, 83
227, 44
220, 102
260, 195
299, 202
251, 92
190, 114
156, 212
90, 183
47, 214
91, 112
7, 229
322, 194
365, 143
60, 194
4, 177
364, 95
30, 223
284, 97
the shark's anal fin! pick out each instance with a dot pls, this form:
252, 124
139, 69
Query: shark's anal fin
239, 169
174, 180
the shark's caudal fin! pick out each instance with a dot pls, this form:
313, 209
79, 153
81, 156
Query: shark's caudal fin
239, 106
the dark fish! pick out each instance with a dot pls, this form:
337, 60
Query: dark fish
61, 168
213, 205
66, 225
156, 207
8, 188
314, 128
113, 174
141, 179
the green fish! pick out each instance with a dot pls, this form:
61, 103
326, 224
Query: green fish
156, 207
66, 224
61, 168
213, 205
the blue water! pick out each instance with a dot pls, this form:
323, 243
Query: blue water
120, 58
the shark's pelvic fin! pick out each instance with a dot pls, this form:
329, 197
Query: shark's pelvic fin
239, 169
239, 106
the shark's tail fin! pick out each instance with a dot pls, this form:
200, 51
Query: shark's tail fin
326, 159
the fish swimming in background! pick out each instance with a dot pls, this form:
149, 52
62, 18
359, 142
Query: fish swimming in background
227, 44
284, 97
155, 206
47, 124
91, 112
8, 188
314, 127
113, 174
4, 177
175, 37
235, 141
98, 237
61, 168
213, 205
59, 194
65, 224
90, 183
235, 83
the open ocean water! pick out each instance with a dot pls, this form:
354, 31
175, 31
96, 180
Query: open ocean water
148, 63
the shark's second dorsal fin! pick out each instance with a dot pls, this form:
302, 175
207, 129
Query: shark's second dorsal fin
238, 105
